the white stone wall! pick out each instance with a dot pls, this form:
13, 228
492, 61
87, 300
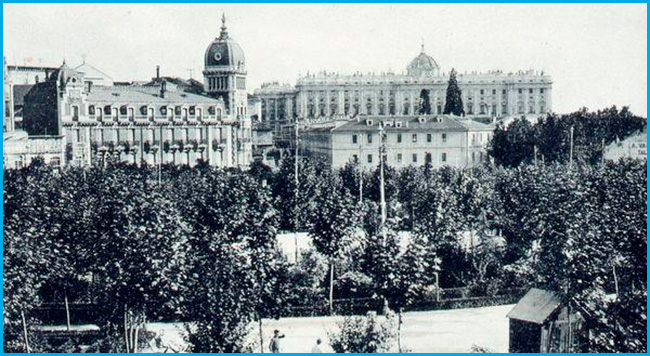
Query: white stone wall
457, 148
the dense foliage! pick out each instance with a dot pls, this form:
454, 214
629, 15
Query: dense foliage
548, 139
200, 244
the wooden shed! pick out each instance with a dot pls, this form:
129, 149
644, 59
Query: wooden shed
540, 323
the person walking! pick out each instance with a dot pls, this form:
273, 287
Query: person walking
274, 346
316, 349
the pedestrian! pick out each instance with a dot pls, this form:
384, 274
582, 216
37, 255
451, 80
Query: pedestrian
316, 349
275, 341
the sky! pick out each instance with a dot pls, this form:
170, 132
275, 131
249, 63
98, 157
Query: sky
596, 53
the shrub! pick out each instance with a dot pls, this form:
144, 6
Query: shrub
367, 334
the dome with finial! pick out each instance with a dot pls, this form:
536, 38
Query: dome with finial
224, 51
423, 65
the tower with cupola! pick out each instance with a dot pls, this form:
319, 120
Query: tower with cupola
225, 72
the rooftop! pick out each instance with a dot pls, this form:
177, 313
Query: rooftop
536, 306
412, 123
145, 95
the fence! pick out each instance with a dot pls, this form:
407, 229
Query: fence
452, 298
443, 299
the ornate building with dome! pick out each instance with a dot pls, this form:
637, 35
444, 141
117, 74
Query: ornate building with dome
151, 123
324, 96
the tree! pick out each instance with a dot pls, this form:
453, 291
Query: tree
27, 225
453, 101
399, 278
425, 103
513, 145
332, 224
234, 275
139, 245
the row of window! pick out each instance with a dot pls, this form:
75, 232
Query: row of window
124, 111
485, 109
381, 109
428, 158
398, 138
391, 94
399, 158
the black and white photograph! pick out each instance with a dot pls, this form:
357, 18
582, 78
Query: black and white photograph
324, 178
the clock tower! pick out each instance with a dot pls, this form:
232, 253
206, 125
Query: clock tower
225, 73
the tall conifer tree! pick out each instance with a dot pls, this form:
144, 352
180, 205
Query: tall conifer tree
454, 101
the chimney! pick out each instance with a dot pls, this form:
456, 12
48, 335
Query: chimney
163, 88
157, 72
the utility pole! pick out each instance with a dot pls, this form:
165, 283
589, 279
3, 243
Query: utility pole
535, 153
571, 148
295, 228
360, 174
382, 194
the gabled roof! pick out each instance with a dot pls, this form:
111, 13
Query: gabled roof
90, 71
536, 306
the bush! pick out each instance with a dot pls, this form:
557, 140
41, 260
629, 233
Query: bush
365, 334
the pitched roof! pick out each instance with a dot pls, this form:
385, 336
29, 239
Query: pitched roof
413, 123
145, 95
92, 72
536, 306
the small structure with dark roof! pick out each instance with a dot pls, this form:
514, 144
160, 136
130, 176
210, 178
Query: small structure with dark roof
540, 323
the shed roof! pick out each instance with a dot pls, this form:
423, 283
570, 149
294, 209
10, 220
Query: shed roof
536, 306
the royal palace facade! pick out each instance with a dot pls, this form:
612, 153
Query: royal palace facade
152, 123
326, 95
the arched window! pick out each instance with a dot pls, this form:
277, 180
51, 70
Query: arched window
123, 110
107, 110
91, 110
143, 110
163, 110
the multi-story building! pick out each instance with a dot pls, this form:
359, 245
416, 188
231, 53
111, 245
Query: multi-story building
634, 146
151, 123
325, 95
439, 140
19, 149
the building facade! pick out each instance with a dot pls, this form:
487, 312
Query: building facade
440, 140
634, 146
150, 124
324, 95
